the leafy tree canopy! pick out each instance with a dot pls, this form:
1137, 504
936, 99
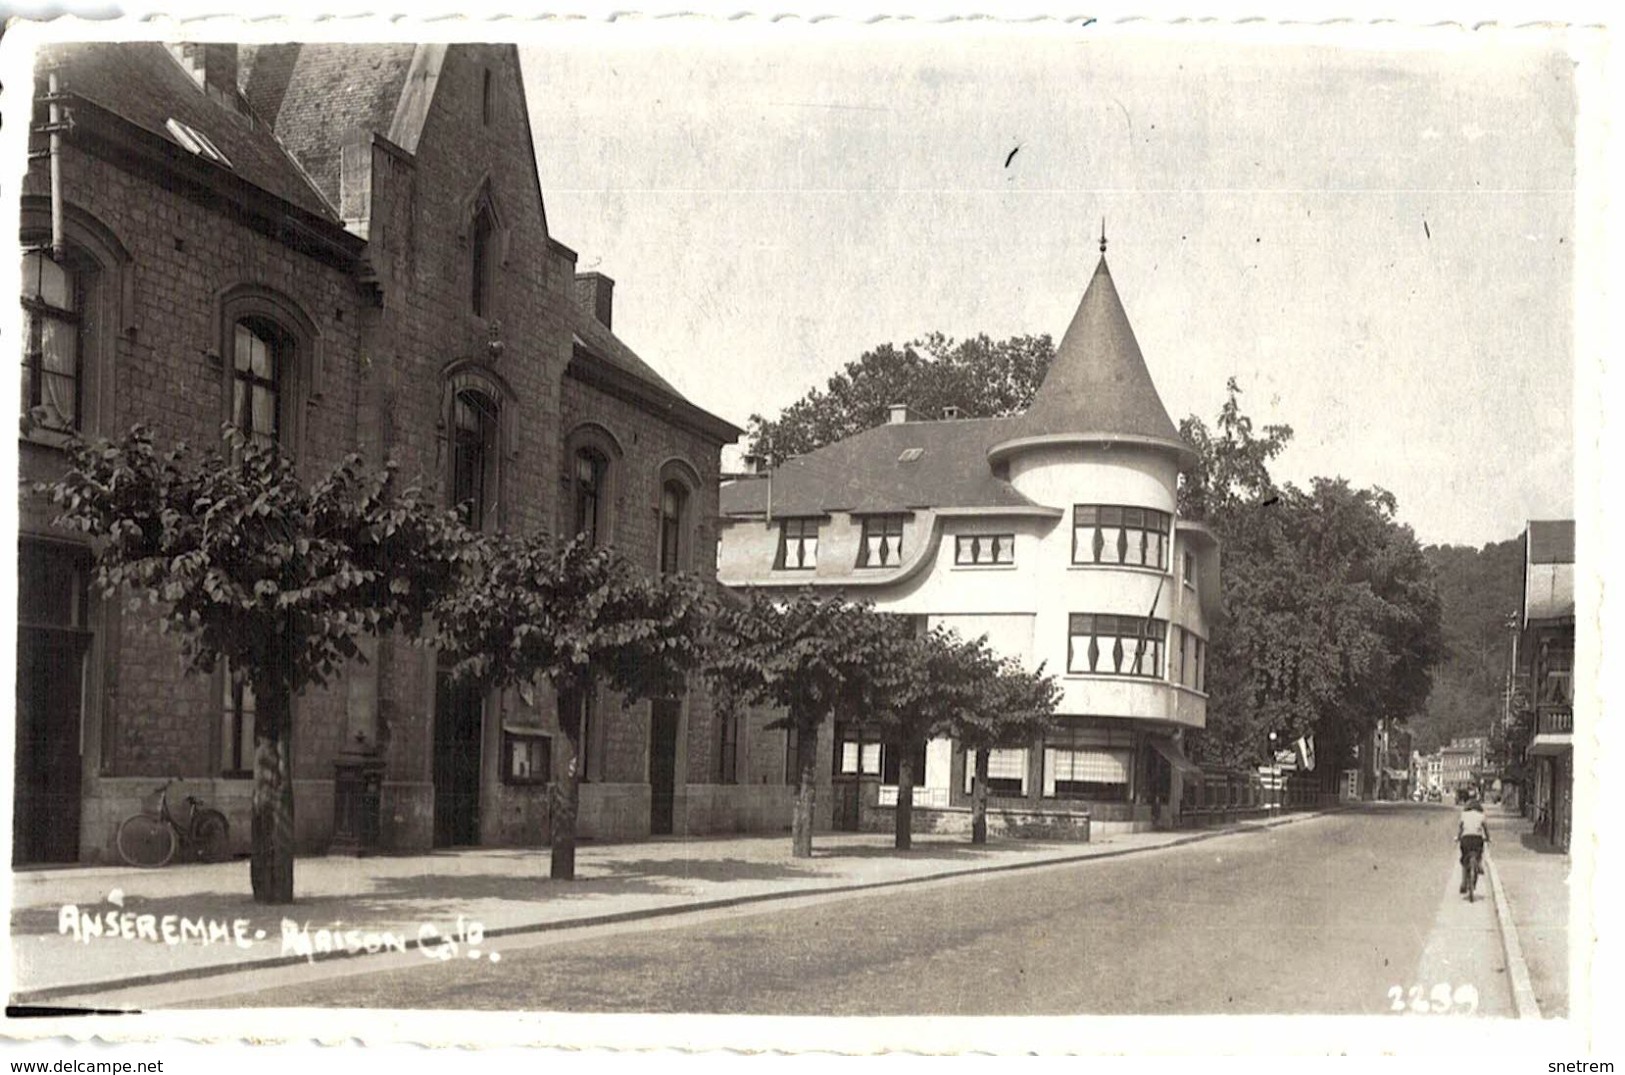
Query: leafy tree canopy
984, 378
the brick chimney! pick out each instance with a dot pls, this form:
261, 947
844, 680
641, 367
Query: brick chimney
595, 293
899, 413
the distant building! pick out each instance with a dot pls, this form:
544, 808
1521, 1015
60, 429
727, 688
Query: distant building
1462, 762
1056, 535
1546, 657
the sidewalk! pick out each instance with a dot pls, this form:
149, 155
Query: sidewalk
86, 930
1535, 880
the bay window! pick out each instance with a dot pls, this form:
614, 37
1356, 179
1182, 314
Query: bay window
1106, 645
1116, 535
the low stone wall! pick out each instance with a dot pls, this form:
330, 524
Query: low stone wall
711, 809
613, 811
1017, 823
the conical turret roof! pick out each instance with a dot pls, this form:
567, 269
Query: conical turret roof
1097, 388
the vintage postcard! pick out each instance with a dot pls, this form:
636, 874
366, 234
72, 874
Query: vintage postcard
800, 534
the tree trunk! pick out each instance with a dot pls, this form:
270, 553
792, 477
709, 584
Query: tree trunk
905, 800
978, 800
566, 799
270, 869
801, 824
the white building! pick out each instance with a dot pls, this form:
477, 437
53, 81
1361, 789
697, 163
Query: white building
1055, 535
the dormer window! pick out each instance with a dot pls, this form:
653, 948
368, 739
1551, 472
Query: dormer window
195, 141
798, 545
882, 541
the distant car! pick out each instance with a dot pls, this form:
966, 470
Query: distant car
1434, 795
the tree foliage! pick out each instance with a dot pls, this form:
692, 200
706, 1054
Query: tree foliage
532, 610
247, 563
984, 378
811, 655
1332, 616
1480, 594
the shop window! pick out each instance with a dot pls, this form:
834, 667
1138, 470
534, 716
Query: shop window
1086, 763
798, 545
1108, 645
527, 757
1006, 772
1108, 534
984, 549
882, 541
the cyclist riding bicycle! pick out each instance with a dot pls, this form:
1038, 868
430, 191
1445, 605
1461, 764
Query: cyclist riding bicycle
1471, 834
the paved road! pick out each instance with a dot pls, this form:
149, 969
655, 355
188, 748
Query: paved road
1323, 916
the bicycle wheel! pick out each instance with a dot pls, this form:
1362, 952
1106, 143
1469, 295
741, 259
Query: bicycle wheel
144, 840
211, 836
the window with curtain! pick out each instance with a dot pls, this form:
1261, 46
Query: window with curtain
1116, 535
1099, 644
591, 469
798, 545
259, 352
1088, 763
673, 512
473, 454
983, 549
857, 751
53, 302
882, 541
237, 726
1006, 772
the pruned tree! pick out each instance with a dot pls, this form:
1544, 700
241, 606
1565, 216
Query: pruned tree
812, 656
531, 610
1009, 706
250, 565
927, 684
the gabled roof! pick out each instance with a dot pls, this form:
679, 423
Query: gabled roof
867, 472
600, 358
142, 83
315, 94
1098, 387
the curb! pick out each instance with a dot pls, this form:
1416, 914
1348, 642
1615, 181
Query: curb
87, 989
1523, 991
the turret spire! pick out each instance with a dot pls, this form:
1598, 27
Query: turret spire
1103, 235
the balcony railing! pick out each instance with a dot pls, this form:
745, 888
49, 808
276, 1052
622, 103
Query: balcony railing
922, 796
1555, 722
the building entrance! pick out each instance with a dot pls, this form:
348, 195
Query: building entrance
664, 717
458, 717
52, 639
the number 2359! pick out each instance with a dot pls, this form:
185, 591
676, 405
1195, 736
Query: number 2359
1440, 1000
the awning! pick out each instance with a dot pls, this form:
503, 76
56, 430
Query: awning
1552, 743
1175, 757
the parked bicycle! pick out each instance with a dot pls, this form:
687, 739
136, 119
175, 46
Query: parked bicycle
152, 837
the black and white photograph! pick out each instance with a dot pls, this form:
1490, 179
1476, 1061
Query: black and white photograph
881, 530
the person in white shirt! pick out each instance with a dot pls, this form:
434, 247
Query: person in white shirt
1471, 834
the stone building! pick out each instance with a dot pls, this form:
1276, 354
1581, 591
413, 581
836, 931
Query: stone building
342, 248
1055, 534
1545, 660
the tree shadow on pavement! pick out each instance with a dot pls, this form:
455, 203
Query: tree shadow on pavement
1539, 844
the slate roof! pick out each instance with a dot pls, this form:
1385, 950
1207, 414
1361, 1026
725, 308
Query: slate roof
1098, 383
315, 94
143, 84
865, 473
1551, 541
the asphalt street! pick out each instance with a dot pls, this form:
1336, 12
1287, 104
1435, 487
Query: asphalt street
1333, 915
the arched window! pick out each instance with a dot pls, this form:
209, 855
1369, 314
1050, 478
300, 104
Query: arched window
673, 520
591, 469
473, 454
53, 308
260, 353
484, 259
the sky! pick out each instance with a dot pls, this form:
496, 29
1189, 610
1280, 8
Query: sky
1373, 235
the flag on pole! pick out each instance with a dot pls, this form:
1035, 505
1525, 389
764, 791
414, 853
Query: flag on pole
1306, 751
